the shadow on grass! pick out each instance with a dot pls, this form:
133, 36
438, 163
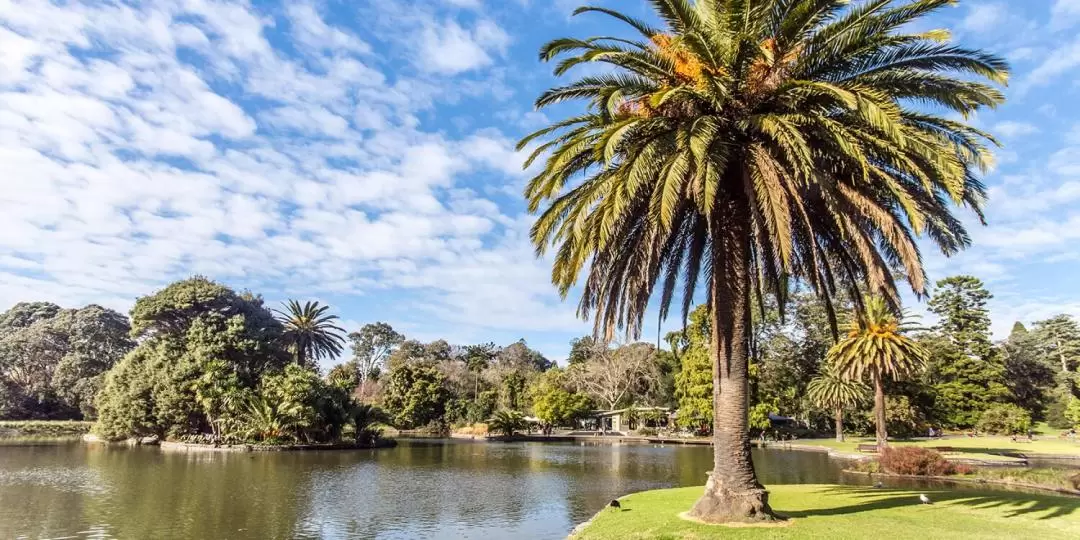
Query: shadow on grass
1014, 503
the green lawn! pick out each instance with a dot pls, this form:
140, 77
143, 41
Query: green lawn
829, 512
973, 447
43, 428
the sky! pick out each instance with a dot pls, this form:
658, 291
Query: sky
361, 153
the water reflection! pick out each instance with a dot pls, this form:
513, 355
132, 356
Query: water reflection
421, 489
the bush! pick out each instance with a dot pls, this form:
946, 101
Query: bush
917, 461
1004, 420
647, 432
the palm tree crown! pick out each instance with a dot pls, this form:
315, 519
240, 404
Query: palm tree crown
876, 346
745, 143
834, 391
309, 331
794, 117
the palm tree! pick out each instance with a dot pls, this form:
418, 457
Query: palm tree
745, 143
506, 422
309, 331
832, 390
876, 347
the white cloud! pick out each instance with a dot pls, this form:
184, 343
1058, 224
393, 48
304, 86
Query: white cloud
984, 17
1014, 129
447, 47
1058, 62
192, 143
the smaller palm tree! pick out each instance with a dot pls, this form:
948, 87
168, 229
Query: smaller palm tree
876, 347
506, 422
367, 422
831, 390
309, 331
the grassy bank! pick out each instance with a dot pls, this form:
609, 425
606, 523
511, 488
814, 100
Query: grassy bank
43, 429
826, 511
976, 447
1048, 478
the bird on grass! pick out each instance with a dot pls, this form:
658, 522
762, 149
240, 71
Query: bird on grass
878, 485
924, 499
614, 504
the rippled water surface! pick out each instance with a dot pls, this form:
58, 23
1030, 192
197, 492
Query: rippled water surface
420, 489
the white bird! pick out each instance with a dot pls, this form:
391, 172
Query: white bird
924, 499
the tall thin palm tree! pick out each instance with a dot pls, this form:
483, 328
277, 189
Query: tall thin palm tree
876, 347
832, 390
310, 332
744, 143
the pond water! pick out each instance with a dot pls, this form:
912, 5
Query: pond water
420, 489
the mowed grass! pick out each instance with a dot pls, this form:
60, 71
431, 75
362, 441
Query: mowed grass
832, 511
975, 447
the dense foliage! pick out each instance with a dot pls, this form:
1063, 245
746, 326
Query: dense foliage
53, 360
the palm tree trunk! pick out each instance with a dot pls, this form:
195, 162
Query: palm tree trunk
732, 493
881, 436
839, 424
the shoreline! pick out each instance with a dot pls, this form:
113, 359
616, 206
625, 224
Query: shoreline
964, 480
176, 446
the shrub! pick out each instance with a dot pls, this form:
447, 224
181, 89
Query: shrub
647, 432
1004, 420
916, 461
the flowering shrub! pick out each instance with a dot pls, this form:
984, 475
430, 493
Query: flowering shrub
918, 461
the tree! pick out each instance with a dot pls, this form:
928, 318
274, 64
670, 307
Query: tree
310, 332
184, 331
415, 396
1060, 338
694, 382
744, 143
967, 374
612, 376
832, 391
875, 347
477, 359
960, 302
554, 404
1072, 412
1030, 379
53, 360
372, 346
582, 348
507, 422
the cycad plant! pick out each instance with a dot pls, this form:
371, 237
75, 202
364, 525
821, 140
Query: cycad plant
833, 391
507, 423
876, 348
743, 143
310, 332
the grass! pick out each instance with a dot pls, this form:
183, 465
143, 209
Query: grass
1051, 478
983, 447
42, 429
829, 512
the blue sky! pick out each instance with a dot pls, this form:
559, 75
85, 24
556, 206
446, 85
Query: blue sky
361, 153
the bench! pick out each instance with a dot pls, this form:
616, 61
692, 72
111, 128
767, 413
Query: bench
866, 448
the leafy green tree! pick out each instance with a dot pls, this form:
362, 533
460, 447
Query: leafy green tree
746, 142
876, 347
477, 359
832, 391
507, 423
415, 396
1005, 419
581, 349
694, 382
1029, 378
183, 331
967, 374
1059, 339
310, 332
554, 403
372, 346
52, 360
1072, 412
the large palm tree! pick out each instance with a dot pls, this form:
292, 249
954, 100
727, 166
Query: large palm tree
876, 347
310, 332
833, 391
746, 142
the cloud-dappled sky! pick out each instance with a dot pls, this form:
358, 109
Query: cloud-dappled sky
361, 153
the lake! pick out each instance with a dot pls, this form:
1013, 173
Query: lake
420, 489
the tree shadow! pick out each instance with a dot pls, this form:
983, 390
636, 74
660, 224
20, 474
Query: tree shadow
1016, 503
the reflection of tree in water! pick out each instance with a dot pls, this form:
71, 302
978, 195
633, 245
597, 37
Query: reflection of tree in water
197, 495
